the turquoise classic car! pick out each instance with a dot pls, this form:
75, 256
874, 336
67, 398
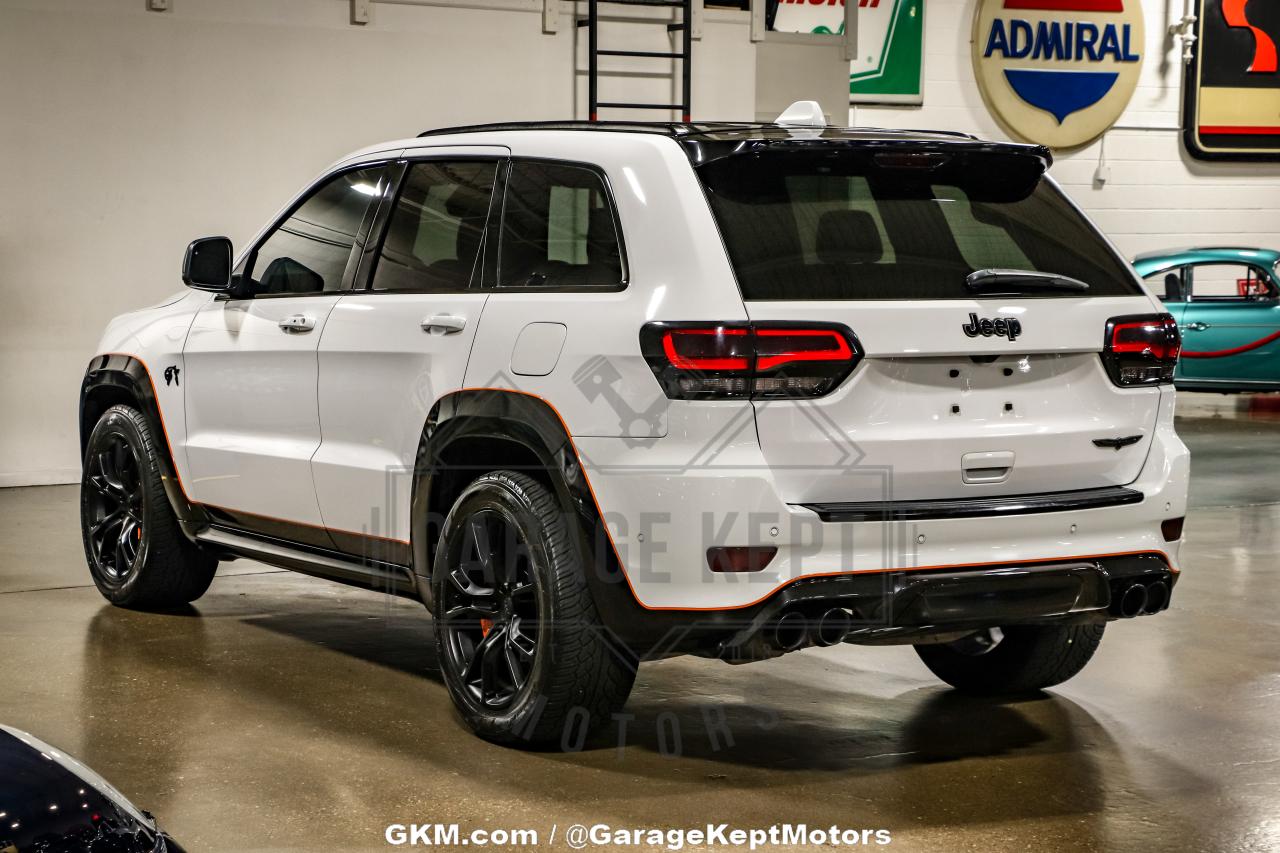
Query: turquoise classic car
1227, 304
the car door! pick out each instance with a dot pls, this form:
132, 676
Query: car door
399, 342
252, 420
1231, 326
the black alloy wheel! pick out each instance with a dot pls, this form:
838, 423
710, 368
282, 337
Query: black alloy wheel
522, 650
137, 553
113, 507
489, 610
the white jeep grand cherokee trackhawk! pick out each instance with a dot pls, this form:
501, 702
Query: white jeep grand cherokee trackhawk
598, 393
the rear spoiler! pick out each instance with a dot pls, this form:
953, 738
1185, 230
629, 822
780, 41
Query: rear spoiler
703, 150
988, 171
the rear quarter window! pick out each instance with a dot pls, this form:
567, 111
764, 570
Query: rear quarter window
559, 229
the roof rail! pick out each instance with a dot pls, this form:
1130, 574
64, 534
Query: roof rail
666, 128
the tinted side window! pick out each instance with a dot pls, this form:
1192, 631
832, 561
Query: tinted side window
308, 252
435, 232
558, 229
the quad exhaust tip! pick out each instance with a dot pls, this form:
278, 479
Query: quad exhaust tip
833, 627
1133, 601
795, 630
1142, 598
791, 631
1157, 597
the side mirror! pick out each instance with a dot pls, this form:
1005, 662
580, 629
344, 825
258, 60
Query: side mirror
207, 264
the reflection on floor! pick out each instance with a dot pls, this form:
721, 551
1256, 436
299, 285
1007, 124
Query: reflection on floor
1234, 439
285, 713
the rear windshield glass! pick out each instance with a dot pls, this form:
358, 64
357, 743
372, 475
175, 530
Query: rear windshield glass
846, 225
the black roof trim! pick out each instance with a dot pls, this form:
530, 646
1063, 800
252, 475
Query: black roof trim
682, 130
705, 141
661, 128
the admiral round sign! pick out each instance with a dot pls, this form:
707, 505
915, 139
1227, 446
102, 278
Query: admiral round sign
1058, 72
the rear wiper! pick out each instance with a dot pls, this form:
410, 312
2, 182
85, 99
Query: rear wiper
1014, 282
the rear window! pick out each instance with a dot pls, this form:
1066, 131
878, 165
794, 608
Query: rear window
844, 225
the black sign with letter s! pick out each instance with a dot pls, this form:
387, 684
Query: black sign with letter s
1231, 96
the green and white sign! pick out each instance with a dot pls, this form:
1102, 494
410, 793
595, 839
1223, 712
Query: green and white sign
890, 61
890, 64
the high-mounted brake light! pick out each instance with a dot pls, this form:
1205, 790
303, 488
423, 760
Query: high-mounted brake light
1141, 349
702, 361
911, 159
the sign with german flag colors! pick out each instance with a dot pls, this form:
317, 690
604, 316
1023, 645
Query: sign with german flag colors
1058, 72
1231, 109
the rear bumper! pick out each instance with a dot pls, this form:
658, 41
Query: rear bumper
667, 500
910, 606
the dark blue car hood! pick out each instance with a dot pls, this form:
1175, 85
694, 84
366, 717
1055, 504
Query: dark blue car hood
51, 803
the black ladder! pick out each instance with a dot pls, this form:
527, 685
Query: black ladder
592, 23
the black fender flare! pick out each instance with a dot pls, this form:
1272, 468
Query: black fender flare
533, 424
112, 378
512, 417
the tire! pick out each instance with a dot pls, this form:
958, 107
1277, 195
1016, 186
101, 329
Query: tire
527, 663
137, 554
1028, 658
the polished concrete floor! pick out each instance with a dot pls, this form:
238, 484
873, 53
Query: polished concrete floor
284, 713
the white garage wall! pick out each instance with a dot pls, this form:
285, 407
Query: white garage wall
125, 133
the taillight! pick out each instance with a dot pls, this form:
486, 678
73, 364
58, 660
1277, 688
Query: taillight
701, 361
717, 348
1141, 349
801, 361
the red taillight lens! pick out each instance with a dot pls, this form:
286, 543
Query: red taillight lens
1171, 528
698, 361
719, 348
1157, 336
776, 347
1141, 349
